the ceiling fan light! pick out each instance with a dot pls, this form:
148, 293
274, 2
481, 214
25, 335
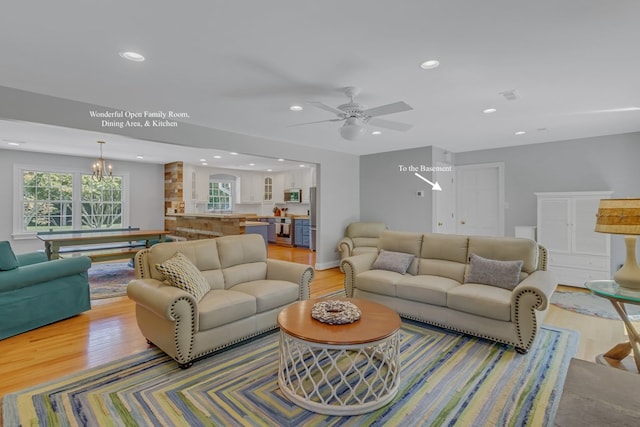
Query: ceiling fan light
351, 130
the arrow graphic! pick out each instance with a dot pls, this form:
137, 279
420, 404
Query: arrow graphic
434, 187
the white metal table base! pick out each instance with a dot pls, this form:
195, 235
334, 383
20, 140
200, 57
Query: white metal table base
339, 379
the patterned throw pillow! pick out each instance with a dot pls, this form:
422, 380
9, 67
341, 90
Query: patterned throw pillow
393, 261
503, 274
181, 273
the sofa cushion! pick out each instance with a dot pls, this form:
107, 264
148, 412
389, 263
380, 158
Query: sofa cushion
8, 260
243, 258
382, 282
365, 229
402, 241
393, 261
181, 273
482, 300
425, 288
371, 242
504, 274
364, 250
202, 253
506, 249
221, 306
269, 294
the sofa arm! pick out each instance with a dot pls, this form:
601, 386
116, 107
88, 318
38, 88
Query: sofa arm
345, 246
31, 258
33, 274
541, 283
529, 302
354, 265
160, 298
300, 274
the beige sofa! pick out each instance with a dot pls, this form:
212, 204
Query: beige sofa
434, 289
246, 291
360, 238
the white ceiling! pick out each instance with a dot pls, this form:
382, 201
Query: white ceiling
239, 65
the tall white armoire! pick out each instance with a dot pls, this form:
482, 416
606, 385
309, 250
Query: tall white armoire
566, 223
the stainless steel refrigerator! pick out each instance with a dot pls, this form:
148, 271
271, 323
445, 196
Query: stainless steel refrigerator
312, 218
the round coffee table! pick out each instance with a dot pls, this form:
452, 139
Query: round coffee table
339, 369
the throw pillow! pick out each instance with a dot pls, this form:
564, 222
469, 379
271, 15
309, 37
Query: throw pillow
503, 274
393, 261
8, 260
181, 273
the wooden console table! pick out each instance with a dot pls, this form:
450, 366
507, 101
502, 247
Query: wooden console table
101, 245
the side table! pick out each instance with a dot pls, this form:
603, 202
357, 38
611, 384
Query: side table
619, 296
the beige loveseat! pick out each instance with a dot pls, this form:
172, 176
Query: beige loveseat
441, 286
246, 291
360, 238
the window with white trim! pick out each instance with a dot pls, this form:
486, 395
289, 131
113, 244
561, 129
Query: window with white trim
55, 200
220, 193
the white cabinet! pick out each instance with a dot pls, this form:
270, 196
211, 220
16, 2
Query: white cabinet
300, 178
566, 223
251, 188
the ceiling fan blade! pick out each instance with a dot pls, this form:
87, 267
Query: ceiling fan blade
389, 124
396, 107
325, 107
319, 121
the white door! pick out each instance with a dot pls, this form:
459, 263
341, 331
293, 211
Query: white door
480, 199
444, 202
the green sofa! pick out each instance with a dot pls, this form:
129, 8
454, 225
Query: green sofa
35, 292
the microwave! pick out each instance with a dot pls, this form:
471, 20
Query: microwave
293, 195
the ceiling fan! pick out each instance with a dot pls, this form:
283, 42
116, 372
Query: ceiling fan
356, 116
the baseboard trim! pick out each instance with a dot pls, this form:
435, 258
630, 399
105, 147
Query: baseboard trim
327, 265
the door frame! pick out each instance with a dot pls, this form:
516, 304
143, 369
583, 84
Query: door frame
500, 190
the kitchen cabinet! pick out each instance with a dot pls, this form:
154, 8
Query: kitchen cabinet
302, 179
566, 222
301, 233
271, 229
251, 188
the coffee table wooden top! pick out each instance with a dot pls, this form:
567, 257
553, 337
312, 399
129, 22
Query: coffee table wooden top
376, 322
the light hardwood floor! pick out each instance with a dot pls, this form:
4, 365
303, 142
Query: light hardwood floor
108, 332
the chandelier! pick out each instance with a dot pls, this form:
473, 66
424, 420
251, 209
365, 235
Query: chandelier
100, 167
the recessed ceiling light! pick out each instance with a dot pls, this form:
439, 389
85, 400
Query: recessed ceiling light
302, 166
205, 164
520, 132
217, 157
233, 153
376, 132
430, 64
14, 144
252, 164
489, 110
269, 170
281, 160
139, 156
203, 160
295, 108
132, 56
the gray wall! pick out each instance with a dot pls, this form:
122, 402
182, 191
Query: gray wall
338, 173
388, 194
606, 163
145, 183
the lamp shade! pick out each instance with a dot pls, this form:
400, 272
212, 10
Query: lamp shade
618, 216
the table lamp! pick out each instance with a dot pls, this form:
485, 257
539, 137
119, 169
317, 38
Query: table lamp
622, 216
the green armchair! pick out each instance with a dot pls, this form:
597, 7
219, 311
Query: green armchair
35, 292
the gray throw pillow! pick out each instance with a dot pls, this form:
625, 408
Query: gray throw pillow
503, 274
8, 260
393, 261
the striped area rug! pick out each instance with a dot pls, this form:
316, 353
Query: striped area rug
446, 379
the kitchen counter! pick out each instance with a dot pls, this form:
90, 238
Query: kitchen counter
205, 225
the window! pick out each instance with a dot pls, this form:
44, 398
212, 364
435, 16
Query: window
101, 202
220, 193
53, 200
268, 188
47, 201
